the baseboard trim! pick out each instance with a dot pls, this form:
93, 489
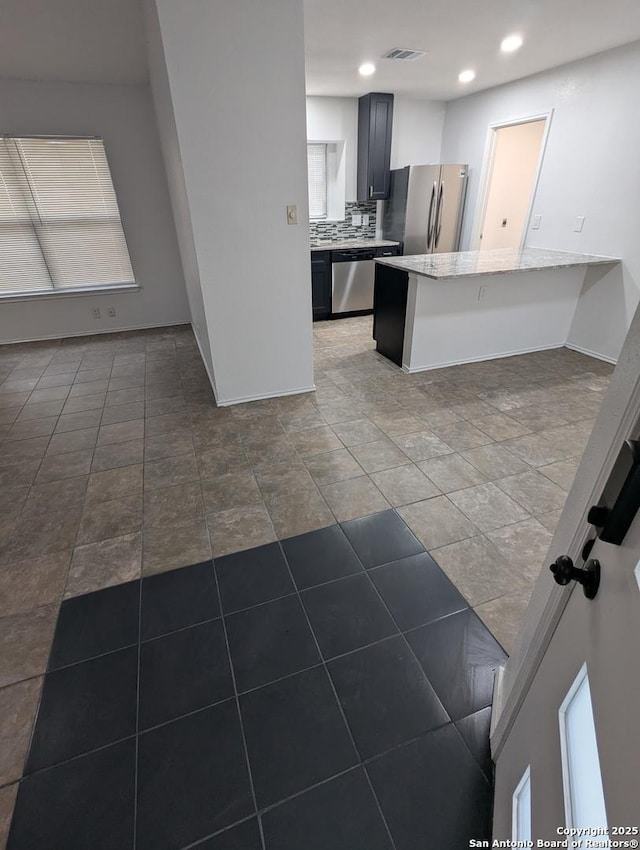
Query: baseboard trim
482, 358
589, 353
277, 394
99, 332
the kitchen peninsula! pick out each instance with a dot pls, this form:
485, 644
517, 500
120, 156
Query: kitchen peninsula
435, 310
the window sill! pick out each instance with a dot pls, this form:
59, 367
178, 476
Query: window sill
70, 293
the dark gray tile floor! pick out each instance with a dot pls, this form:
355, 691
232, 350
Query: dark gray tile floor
320, 693
117, 465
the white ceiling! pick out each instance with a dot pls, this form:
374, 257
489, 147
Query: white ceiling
93, 41
103, 41
459, 34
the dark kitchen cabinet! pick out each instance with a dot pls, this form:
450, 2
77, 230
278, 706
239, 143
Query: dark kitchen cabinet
321, 284
388, 251
389, 311
375, 120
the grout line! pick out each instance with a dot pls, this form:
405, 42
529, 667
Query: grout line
92, 657
378, 805
78, 756
237, 702
362, 765
397, 625
328, 659
281, 678
137, 744
221, 832
335, 693
490, 781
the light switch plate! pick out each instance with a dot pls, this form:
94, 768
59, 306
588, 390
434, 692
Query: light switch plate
577, 228
356, 220
292, 214
537, 221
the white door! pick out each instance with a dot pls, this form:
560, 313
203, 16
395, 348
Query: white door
566, 730
513, 176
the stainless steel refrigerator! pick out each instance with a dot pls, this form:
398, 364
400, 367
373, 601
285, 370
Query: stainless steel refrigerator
424, 209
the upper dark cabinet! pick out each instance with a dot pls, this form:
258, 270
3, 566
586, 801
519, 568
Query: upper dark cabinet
375, 119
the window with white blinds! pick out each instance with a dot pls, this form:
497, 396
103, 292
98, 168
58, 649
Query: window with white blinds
317, 168
60, 227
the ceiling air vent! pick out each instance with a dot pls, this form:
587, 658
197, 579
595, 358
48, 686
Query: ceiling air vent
404, 54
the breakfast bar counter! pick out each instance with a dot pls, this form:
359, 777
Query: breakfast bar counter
435, 310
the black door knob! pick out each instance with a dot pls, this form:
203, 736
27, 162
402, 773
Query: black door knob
589, 577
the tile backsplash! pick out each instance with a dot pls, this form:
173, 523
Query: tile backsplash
344, 229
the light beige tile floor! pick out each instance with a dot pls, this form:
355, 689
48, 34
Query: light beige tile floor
115, 463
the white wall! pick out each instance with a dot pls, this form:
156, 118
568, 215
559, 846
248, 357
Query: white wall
416, 137
240, 123
177, 188
417, 131
124, 117
335, 119
590, 169
519, 312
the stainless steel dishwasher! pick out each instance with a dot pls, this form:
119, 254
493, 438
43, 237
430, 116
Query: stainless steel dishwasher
352, 275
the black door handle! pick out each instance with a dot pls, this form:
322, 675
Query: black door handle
589, 576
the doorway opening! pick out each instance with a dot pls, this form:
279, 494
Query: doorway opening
512, 165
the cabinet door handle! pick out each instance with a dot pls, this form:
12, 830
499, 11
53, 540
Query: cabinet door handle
430, 219
370, 191
439, 206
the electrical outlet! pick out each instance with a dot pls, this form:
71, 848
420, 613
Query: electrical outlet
365, 219
482, 293
292, 214
356, 220
537, 221
95, 312
111, 312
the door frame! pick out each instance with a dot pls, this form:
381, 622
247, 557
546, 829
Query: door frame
618, 417
487, 172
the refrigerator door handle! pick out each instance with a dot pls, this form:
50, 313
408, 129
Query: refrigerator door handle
430, 224
439, 206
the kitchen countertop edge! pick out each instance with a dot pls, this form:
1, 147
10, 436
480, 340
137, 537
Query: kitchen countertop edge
349, 244
460, 264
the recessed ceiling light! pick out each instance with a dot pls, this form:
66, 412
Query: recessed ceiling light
467, 76
511, 43
366, 69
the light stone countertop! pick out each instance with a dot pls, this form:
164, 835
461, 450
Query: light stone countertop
345, 244
499, 261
